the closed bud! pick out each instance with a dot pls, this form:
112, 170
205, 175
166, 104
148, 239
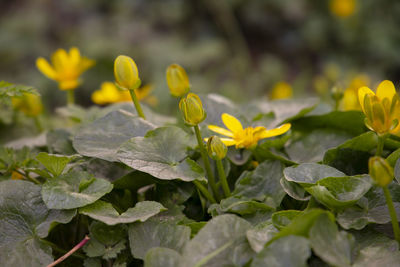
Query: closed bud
192, 109
337, 93
126, 73
177, 80
216, 148
380, 171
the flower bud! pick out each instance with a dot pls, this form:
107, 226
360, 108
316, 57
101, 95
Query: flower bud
192, 109
216, 148
337, 93
380, 171
126, 73
177, 80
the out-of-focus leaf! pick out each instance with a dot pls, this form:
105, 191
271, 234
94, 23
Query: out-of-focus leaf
161, 257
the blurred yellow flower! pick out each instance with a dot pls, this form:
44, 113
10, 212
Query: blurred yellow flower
281, 90
109, 93
247, 137
343, 8
382, 110
350, 97
177, 80
16, 176
321, 84
30, 104
66, 67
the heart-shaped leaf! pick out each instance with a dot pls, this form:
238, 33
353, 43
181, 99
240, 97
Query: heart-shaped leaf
163, 154
74, 190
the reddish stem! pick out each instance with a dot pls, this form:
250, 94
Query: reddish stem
69, 253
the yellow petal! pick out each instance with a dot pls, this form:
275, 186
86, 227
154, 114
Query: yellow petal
277, 131
361, 94
386, 90
85, 64
60, 60
68, 85
231, 123
44, 66
220, 130
228, 141
74, 56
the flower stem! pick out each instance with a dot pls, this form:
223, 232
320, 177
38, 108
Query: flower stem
204, 191
207, 166
222, 178
69, 253
38, 124
70, 97
393, 215
136, 103
381, 143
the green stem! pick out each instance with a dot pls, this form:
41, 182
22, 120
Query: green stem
381, 143
70, 97
38, 124
136, 103
393, 215
222, 178
207, 165
26, 175
204, 191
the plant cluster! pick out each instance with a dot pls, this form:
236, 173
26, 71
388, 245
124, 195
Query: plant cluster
290, 182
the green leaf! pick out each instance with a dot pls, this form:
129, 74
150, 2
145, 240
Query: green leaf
241, 206
95, 248
282, 218
262, 184
352, 156
162, 153
74, 190
161, 257
294, 190
397, 171
106, 213
338, 192
221, 242
24, 219
289, 251
372, 257
312, 146
156, 233
330, 244
310, 173
260, 235
60, 141
372, 209
349, 121
102, 138
10, 90
55, 164
301, 224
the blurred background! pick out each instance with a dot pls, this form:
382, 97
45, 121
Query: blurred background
242, 49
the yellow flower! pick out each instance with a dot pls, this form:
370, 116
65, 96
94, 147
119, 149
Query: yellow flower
247, 137
192, 109
16, 176
66, 68
281, 90
343, 8
126, 73
109, 93
30, 104
382, 110
350, 97
380, 171
177, 80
